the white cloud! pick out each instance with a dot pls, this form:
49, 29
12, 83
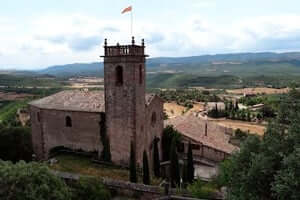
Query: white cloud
62, 39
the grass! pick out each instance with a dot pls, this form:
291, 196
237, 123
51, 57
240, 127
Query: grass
84, 166
9, 110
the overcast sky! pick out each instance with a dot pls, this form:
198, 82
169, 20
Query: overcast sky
39, 33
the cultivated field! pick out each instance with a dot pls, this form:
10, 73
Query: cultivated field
244, 126
11, 96
256, 91
173, 109
86, 82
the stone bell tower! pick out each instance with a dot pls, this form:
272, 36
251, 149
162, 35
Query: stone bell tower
124, 79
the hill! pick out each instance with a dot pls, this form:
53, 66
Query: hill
234, 64
77, 69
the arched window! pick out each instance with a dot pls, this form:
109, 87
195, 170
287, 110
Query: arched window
119, 76
140, 74
68, 121
153, 119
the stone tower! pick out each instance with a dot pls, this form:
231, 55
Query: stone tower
124, 79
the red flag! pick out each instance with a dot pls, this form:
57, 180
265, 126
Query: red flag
127, 10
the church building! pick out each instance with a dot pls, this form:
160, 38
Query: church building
124, 111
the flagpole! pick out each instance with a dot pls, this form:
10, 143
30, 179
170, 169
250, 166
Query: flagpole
131, 28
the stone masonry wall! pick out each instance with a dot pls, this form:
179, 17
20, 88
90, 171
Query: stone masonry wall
51, 131
125, 107
153, 129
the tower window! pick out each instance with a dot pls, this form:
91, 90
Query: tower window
205, 129
68, 121
119, 76
153, 119
141, 74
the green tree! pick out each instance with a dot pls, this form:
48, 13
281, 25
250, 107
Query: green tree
174, 168
156, 161
15, 144
167, 137
190, 164
268, 167
30, 181
146, 175
90, 189
132, 167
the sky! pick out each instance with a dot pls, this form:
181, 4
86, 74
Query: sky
35, 34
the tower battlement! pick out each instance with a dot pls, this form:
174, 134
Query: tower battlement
124, 50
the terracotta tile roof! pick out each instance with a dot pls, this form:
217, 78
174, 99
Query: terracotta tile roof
75, 100
194, 128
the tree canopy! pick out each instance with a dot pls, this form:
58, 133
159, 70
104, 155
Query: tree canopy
268, 167
32, 181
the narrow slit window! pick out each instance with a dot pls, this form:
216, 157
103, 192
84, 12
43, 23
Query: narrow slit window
68, 121
119, 76
141, 74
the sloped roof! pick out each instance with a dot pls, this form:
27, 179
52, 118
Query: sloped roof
194, 128
149, 98
75, 100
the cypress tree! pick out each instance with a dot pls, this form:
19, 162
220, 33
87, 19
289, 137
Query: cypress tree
190, 164
156, 162
236, 105
175, 176
146, 176
217, 111
105, 154
185, 173
133, 176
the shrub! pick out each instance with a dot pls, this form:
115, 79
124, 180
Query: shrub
90, 189
15, 144
32, 181
201, 190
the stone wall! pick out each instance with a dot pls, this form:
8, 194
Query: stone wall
125, 106
204, 151
154, 129
51, 131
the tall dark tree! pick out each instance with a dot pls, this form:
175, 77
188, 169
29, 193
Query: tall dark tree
146, 175
175, 174
236, 105
168, 134
190, 164
156, 162
133, 176
105, 154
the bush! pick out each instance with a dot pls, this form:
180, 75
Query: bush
201, 190
15, 144
32, 181
90, 189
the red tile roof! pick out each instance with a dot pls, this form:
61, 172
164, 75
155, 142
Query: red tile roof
75, 100
194, 128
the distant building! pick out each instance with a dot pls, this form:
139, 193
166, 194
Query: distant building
75, 119
210, 143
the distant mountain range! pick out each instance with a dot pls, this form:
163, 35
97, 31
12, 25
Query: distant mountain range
229, 63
